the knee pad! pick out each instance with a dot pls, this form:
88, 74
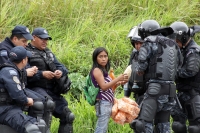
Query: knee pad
140, 126
66, 121
49, 107
148, 110
178, 127
192, 107
42, 126
194, 129
37, 109
32, 128
68, 115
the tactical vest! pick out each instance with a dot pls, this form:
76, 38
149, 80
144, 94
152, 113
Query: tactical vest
4, 95
195, 80
135, 78
44, 60
164, 62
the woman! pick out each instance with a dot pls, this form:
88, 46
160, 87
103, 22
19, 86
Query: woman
101, 79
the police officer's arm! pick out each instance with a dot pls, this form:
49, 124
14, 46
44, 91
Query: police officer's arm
12, 85
192, 65
143, 56
3, 56
131, 57
30, 70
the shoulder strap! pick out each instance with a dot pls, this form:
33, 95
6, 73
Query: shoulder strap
6, 65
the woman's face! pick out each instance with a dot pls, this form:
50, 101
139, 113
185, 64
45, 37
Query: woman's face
179, 43
102, 58
138, 45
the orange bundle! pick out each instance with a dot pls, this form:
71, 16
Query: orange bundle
114, 108
129, 101
120, 118
124, 110
112, 76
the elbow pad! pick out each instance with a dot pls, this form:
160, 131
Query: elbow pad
193, 62
142, 57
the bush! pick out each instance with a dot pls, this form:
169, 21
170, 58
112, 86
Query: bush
78, 82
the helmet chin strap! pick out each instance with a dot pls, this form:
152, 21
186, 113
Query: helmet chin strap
183, 46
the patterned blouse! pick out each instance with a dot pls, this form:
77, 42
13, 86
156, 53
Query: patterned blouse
107, 95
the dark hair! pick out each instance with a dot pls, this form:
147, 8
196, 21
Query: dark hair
95, 63
19, 36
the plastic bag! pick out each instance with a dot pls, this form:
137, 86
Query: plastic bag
114, 108
124, 110
128, 71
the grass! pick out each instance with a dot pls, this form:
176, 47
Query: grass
85, 120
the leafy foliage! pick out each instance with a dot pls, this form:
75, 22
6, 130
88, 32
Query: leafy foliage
78, 82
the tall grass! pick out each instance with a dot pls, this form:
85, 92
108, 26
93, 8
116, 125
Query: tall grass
79, 26
85, 120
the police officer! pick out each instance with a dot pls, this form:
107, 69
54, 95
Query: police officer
135, 83
44, 82
188, 85
19, 37
158, 59
13, 97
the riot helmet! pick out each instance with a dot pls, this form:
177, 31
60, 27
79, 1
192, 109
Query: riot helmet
146, 27
181, 32
133, 35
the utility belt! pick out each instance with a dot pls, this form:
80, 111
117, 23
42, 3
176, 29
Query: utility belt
166, 87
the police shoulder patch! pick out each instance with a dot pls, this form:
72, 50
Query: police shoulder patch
15, 78
13, 72
3, 53
19, 87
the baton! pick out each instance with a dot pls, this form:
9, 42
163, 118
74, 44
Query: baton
179, 104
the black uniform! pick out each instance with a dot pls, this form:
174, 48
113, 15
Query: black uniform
139, 80
5, 48
158, 59
46, 61
13, 100
188, 86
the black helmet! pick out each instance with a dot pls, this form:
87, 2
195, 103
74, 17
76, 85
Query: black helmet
146, 27
133, 35
181, 31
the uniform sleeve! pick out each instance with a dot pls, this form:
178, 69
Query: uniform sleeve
13, 85
3, 56
131, 58
144, 55
191, 66
35, 77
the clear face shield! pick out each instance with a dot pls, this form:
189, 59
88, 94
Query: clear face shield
133, 32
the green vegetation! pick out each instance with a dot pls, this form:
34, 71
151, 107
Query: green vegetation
79, 26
